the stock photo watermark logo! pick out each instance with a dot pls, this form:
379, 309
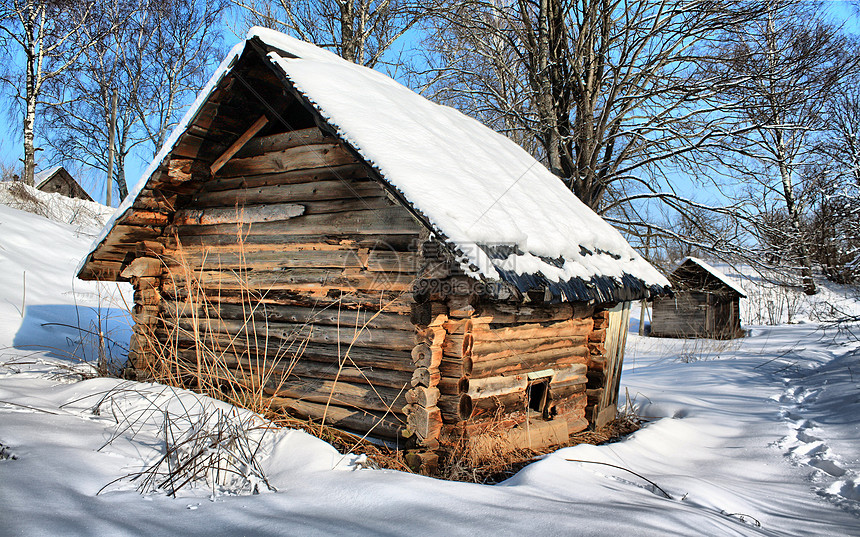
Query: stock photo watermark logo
428, 268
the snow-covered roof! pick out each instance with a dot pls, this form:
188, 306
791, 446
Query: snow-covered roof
44, 176
506, 216
716, 273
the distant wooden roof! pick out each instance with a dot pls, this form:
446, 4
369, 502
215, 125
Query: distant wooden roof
693, 272
58, 180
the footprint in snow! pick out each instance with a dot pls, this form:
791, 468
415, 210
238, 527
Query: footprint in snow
6, 454
803, 436
807, 396
844, 493
827, 466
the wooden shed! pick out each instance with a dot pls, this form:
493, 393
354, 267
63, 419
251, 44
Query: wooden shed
419, 277
706, 304
58, 180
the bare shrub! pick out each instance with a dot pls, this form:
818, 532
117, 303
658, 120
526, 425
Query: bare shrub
194, 353
20, 196
202, 444
56, 207
700, 349
215, 448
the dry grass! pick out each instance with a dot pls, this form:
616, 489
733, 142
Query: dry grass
493, 460
242, 370
239, 369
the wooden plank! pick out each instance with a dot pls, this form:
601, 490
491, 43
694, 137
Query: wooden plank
181, 170
503, 313
315, 352
142, 267
493, 386
573, 327
483, 350
146, 218
341, 393
237, 145
284, 140
279, 313
237, 241
327, 189
569, 373
390, 220
529, 362
250, 214
316, 280
192, 146
295, 158
300, 369
379, 425
353, 299
242, 329
477, 407
346, 172
251, 259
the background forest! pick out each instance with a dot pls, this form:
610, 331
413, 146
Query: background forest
698, 127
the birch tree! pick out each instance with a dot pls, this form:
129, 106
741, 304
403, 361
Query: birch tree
155, 61
835, 220
792, 61
46, 38
184, 45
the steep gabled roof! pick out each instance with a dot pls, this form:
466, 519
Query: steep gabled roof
504, 215
716, 273
44, 176
42, 180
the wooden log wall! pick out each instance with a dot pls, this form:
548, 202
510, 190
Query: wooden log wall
494, 361
683, 315
487, 360
294, 257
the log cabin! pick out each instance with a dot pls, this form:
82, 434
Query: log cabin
705, 304
59, 180
415, 275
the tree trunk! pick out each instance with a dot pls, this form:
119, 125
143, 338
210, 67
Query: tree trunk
347, 17
794, 217
31, 90
546, 103
29, 125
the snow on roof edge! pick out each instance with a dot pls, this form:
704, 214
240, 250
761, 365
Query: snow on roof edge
44, 176
626, 260
180, 128
716, 273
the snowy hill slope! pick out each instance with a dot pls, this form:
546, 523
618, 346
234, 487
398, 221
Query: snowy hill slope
43, 306
750, 437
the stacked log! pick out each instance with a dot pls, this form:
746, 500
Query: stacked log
423, 415
144, 274
494, 353
596, 364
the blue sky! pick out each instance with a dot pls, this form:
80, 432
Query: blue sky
11, 139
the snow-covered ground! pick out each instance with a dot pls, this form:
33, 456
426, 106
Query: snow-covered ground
759, 436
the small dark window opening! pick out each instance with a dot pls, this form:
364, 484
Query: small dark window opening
538, 392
